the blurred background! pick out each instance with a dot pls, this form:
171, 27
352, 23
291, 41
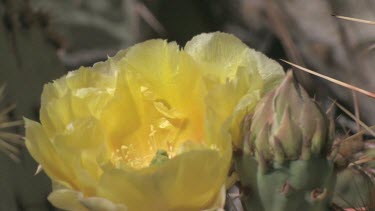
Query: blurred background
40, 40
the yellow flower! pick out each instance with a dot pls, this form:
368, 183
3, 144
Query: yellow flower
151, 128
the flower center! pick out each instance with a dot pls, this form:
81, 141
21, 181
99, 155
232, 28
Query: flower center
165, 127
162, 139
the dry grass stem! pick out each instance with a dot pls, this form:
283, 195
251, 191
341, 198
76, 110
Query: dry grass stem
354, 88
354, 19
372, 132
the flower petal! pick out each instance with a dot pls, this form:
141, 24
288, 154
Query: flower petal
242, 94
220, 200
84, 148
82, 93
222, 53
162, 68
244, 76
225, 54
75, 201
120, 118
44, 152
67, 199
100, 204
197, 175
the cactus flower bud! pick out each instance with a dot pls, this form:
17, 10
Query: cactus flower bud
285, 165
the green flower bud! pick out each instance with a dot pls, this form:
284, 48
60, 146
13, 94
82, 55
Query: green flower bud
284, 164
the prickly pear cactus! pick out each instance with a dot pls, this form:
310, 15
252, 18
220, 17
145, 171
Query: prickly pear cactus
283, 164
28, 59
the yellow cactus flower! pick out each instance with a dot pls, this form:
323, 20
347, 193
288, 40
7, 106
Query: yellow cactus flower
151, 128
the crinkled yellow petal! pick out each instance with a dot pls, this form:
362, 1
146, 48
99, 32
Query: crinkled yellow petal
86, 77
121, 116
81, 134
73, 167
243, 75
45, 153
162, 68
83, 78
80, 94
222, 54
188, 182
154, 63
243, 93
70, 107
271, 72
152, 90
82, 147
225, 54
